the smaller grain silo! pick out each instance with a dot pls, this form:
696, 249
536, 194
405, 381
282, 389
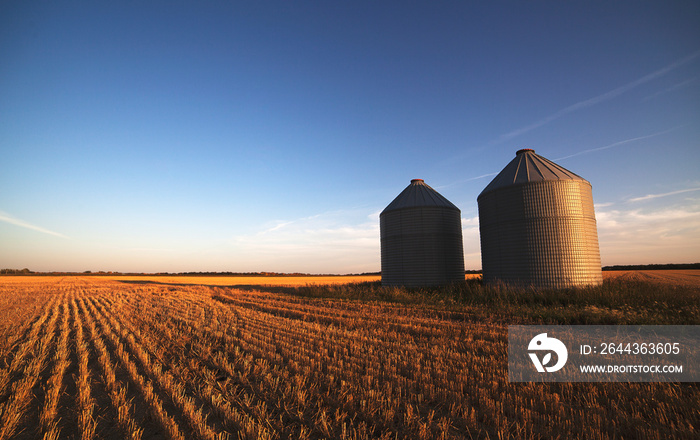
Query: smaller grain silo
538, 226
421, 239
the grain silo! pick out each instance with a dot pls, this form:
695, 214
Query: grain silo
421, 239
538, 226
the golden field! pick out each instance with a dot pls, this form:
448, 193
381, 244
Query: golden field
689, 277
213, 357
260, 281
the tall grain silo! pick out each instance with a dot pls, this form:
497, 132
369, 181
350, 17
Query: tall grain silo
421, 239
538, 226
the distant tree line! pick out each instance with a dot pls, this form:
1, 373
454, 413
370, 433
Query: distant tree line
172, 274
654, 266
24, 271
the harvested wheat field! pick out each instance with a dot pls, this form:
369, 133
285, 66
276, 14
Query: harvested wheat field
258, 281
688, 277
89, 357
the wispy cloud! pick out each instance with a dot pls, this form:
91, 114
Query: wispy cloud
662, 235
656, 196
465, 180
673, 88
472, 243
277, 227
7, 218
345, 241
617, 144
600, 98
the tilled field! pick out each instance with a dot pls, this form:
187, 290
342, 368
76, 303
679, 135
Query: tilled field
94, 358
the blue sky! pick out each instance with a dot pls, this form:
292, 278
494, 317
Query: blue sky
267, 136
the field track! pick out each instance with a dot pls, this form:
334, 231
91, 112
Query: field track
91, 357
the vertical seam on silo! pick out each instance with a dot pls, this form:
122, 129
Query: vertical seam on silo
547, 165
553, 166
517, 170
527, 167
535, 165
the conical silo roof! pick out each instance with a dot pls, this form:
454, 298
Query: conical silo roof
418, 194
529, 167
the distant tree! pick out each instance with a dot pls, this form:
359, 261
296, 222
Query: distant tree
24, 271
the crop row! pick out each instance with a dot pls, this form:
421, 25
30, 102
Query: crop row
96, 359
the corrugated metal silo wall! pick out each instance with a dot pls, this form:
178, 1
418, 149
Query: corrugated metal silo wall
421, 246
541, 234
